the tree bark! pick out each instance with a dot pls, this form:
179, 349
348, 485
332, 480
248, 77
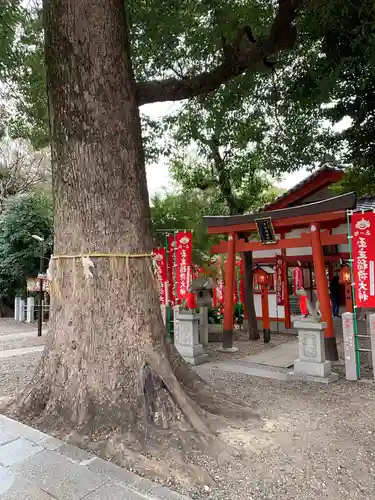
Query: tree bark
107, 361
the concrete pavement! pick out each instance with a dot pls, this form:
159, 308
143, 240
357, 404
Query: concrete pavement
35, 466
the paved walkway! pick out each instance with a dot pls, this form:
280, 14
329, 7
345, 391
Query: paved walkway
35, 466
9, 353
282, 355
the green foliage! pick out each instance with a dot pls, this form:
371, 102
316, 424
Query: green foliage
184, 210
227, 131
168, 39
361, 180
328, 75
24, 215
240, 187
337, 77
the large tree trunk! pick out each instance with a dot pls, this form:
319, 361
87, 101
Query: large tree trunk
107, 360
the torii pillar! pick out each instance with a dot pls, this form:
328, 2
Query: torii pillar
323, 292
229, 296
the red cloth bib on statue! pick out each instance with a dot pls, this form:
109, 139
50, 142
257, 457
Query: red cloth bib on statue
303, 305
191, 300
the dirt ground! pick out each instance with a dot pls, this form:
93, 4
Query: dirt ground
311, 441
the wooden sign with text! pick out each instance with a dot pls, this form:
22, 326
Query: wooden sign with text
265, 230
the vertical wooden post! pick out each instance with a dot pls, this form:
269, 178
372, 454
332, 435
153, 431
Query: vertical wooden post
265, 314
323, 292
348, 297
229, 295
287, 314
330, 270
245, 314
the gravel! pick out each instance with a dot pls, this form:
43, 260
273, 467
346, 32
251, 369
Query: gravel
16, 372
246, 348
313, 441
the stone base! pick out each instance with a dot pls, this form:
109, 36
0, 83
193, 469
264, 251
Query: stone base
188, 351
332, 377
331, 349
311, 368
228, 349
215, 332
196, 360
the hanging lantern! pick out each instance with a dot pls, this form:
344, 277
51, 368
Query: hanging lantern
260, 277
345, 278
345, 275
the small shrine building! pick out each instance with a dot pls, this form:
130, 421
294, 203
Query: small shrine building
305, 228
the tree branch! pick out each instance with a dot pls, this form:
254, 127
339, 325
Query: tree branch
282, 36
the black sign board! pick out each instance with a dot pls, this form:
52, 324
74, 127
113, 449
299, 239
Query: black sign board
330, 250
265, 230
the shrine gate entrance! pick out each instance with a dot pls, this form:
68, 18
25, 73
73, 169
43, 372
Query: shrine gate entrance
318, 218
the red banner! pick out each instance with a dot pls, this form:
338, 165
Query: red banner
363, 248
297, 279
279, 281
184, 252
219, 292
171, 269
160, 259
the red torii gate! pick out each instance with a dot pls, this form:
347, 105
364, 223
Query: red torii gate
319, 217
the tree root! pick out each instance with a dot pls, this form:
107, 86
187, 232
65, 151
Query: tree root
205, 396
181, 419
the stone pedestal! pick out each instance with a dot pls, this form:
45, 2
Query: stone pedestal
351, 372
30, 310
203, 325
312, 360
22, 310
186, 337
17, 302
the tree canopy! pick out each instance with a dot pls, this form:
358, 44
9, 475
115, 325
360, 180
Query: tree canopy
185, 51
25, 214
179, 51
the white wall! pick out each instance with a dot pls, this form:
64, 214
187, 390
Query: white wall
275, 311
296, 233
342, 229
258, 254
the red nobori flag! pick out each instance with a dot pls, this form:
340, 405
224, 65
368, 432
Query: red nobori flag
297, 279
172, 268
160, 259
363, 249
184, 252
279, 281
220, 282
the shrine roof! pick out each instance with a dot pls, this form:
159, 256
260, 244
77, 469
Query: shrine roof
367, 203
323, 177
300, 215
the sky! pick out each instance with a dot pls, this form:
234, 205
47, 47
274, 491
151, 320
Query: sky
158, 177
